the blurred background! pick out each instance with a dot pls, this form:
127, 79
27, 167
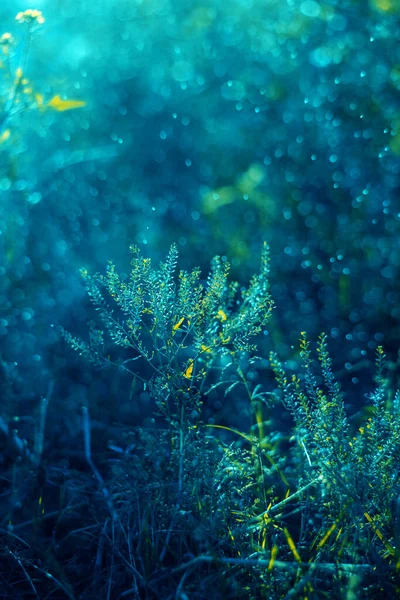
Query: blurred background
215, 125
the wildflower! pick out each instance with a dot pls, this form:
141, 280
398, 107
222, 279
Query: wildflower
6, 39
39, 100
178, 324
5, 136
18, 76
30, 16
189, 370
56, 103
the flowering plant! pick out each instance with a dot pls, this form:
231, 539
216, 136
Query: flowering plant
17, 91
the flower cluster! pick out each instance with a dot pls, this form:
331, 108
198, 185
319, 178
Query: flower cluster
19, 93
30, 16
6, 39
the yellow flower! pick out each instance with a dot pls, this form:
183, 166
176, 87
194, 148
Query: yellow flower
178, 324
31, 16
4, 136
221, 315
39, 99
6, 39
189, 370
56, 103
18, 76
205, 348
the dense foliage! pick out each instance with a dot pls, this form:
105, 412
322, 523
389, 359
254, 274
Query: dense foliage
175, 510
